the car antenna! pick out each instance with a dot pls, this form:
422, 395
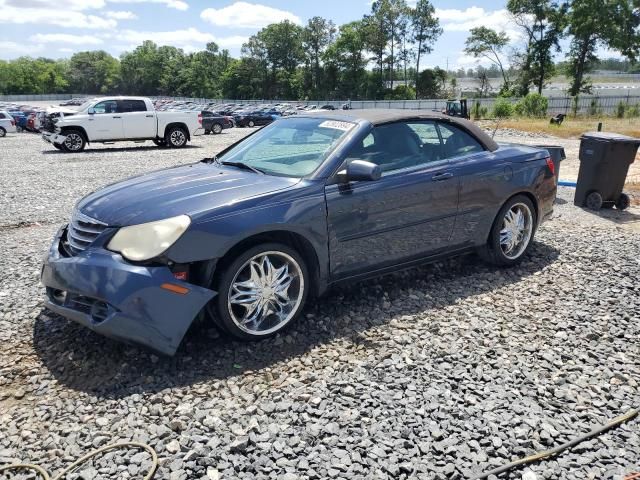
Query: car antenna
497, 120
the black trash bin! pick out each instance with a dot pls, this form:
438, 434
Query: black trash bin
604, 162
557, 155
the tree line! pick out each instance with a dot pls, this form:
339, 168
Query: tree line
379, 56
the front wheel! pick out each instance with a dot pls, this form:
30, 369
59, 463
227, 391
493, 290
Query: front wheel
262, 291
252, 123
176, 137
512, 233
74, 141
3, 132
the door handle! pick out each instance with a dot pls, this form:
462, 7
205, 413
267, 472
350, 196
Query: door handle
117, 117
149, 116
442, 176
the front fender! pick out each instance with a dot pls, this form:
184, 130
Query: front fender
213, 237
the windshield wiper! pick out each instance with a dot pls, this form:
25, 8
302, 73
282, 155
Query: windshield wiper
244, 166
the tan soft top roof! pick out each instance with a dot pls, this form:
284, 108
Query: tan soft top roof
378, 116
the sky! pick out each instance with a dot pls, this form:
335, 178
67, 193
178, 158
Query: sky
58, 28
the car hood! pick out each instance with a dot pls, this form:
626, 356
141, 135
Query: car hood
190, 189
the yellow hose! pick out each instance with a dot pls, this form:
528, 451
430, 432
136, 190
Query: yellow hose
116, 446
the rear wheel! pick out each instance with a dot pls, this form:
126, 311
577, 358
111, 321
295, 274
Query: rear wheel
176, 137
74, 141
512, 233
252, 123
216, 128
3, 132
261, 292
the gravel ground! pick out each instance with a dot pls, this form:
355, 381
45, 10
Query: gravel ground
439, 372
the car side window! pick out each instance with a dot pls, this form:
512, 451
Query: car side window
2, 115
457, 142
393, 146
108, 106
430, 140
128, 106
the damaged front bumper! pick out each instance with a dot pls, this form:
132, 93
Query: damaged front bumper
54, 138
101, 291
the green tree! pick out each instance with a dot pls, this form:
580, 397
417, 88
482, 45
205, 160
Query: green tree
346, 61
277, 51
486, 42
26, 75
429, 84
593, 23
316, 37
543, 22
426, 30
141, 69
93, 72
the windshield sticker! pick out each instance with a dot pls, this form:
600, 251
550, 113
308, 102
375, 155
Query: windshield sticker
337, 125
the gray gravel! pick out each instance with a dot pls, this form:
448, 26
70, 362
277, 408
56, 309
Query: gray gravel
437, 372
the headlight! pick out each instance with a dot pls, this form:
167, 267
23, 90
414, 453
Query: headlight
148, 240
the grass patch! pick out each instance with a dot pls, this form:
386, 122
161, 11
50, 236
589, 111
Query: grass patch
574, 127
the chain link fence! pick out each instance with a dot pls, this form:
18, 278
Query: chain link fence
583, 105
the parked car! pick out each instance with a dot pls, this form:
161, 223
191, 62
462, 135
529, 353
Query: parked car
20, 118
113, 119
327, 107
214, 123
7, 124
253, 119
302, 204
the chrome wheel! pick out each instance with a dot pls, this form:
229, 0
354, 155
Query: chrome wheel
266, 293
177, 138
73, 142
515, 234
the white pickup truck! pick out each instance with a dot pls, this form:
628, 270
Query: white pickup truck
115, 119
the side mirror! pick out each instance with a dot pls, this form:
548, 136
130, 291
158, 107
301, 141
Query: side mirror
91, 111
361, 171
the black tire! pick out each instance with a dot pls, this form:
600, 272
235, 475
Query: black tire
594, 201
176, 137
493, 251
207, 132
3, 132
624, 201
251, 123
224, 312
160, 143
216, 128
74, 142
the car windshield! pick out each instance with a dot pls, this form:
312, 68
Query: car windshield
291, 147
85, 105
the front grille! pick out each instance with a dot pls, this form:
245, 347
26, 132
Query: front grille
81, 233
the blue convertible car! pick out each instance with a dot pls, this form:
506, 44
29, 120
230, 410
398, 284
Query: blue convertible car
246, 237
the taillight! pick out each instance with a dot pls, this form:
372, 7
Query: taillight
13, 123
200, 118
551, 165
